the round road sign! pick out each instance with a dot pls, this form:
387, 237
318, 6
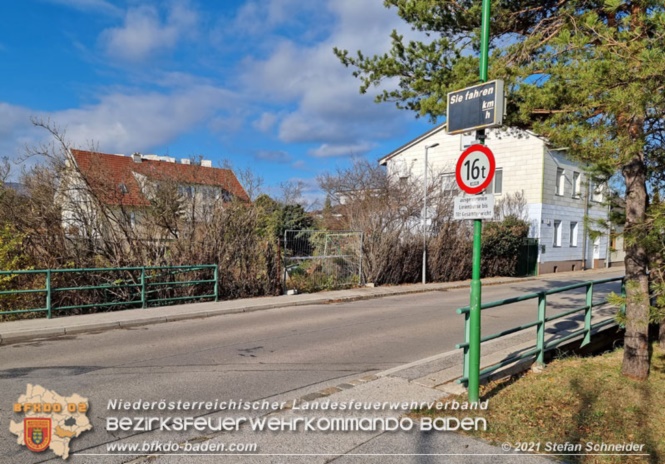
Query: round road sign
475, 169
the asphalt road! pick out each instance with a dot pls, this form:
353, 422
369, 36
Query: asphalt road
277, 354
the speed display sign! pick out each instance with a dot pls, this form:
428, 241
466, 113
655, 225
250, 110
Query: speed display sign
475, 169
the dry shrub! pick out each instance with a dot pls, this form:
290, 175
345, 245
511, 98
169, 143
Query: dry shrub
388, 210
450, 253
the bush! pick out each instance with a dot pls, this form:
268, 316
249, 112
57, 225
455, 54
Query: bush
501, 245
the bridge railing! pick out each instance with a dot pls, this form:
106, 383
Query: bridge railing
542, 345
120, 286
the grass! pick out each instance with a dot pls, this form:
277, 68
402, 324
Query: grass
578, 400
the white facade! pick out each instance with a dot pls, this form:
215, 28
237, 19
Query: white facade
554, 187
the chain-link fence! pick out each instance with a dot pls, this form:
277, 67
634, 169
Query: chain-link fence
321, 259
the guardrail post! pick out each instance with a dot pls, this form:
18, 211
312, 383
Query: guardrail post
286, 271
465, 352
540, 334
587, 314
360, 264
48, 294
216, 273
144, 302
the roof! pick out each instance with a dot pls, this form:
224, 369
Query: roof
113, 180
418, 139
431, 132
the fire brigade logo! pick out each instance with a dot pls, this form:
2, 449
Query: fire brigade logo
50, 421
37, 434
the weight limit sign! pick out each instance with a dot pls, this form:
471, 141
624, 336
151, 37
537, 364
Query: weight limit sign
475, 169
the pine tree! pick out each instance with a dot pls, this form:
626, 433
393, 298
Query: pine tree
587, 74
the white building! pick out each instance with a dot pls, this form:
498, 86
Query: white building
555, 189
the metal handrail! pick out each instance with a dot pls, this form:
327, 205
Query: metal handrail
541, 346
140, 282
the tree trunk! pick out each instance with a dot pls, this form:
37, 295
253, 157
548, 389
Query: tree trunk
636, 340
661, 335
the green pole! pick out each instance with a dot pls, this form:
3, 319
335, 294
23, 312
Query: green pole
484, 40
476, 287
48, 294
216, 274
144, 295
474, 316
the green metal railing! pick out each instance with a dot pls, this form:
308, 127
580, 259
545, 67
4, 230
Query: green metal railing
541, 345
150, 286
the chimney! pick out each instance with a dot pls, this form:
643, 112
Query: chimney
136, 157
206, 163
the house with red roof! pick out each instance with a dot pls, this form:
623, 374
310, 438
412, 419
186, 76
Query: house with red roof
127, 189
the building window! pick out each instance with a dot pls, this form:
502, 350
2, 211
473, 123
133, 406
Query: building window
557, 234
573, 234
449, 184
560, 181
210, 193
186, 191
577, 185
596, 192
496, 186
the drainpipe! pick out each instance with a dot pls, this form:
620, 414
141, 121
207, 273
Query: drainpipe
584, 228
609, 232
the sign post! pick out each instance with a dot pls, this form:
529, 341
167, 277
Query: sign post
476, 108
475, 299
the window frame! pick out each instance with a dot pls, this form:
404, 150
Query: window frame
577, 184
491, 188
573, 240
448, 179
556, 242
560, 182
596, 192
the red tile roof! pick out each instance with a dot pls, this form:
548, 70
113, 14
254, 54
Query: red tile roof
107, 174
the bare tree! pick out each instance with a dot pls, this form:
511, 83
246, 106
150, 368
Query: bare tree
5, 169
388, 210
250, 180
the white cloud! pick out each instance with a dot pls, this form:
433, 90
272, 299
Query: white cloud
117, 122
326, 150
101, 6
277, 156
144, 33
11, 118
255, 16
327, 106
291, 64
16, 131
127, 122
265, 122
225, 125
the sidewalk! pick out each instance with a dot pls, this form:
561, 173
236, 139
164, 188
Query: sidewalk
33, 329
360, 446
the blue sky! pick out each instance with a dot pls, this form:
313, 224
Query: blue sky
254, 82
